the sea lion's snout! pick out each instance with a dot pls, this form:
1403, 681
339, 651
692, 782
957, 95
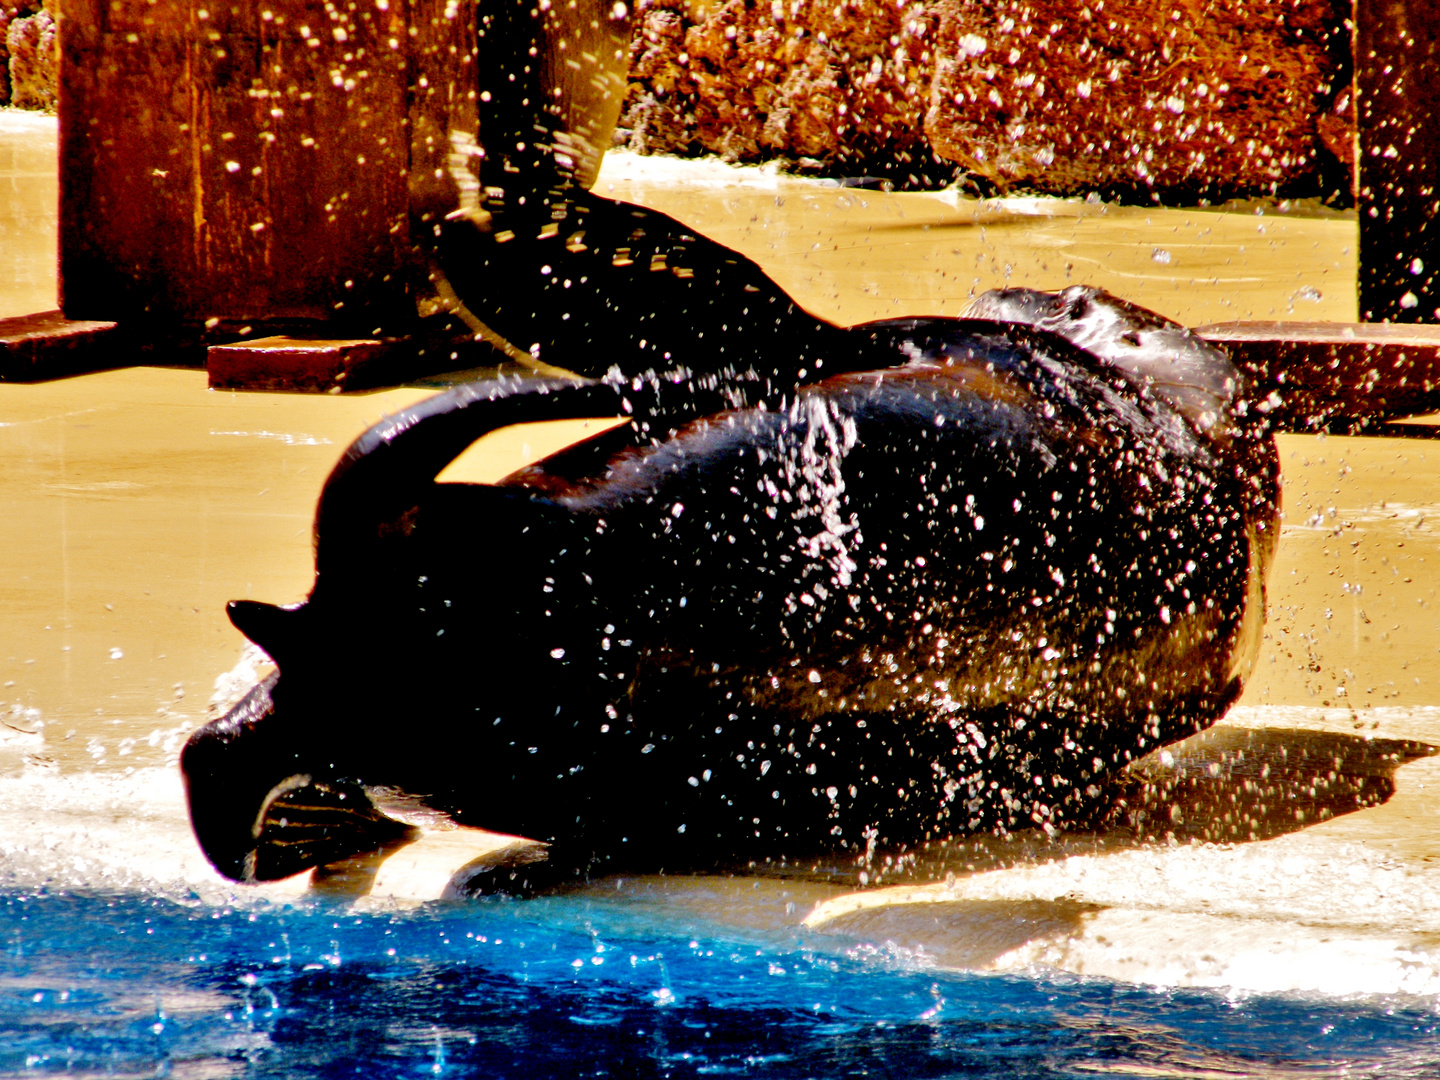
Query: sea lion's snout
230, 772
258, 811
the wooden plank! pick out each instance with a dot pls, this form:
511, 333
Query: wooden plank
1397, 65
439, 350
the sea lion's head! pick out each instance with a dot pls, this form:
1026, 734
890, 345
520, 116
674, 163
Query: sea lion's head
437, 643
1197, 379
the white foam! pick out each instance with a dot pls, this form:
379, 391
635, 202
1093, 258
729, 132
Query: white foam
623, 168
234, 684
101, 830
1302, 912
1350, 906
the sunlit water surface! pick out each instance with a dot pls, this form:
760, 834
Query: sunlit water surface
131, 985
1264, 929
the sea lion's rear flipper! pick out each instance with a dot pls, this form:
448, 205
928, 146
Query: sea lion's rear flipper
412, 447
269, 793
304, 823
385, 483
388, 470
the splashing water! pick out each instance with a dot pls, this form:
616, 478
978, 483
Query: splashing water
812, 471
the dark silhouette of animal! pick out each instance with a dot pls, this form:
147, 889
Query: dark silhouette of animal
946, 593
830, 589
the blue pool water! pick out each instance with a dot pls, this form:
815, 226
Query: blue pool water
97, 984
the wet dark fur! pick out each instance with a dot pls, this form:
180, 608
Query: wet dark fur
945, 589
897, 605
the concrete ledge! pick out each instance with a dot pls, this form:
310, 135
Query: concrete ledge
49, 346
1326, 375
1325, 372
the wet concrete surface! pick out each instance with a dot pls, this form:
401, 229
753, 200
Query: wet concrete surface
853, 254
134, 503
29, 191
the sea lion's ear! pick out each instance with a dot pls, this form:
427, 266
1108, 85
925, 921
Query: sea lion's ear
270, 626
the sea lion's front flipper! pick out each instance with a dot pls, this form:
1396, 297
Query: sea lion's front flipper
573, 279
522, 868
551, 80
593, 284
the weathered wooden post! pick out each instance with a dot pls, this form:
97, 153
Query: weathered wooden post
1397, 63
258, 164
1362, 373
232, 169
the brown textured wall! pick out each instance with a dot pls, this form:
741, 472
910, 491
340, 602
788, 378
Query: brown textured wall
846, 80
1183, 97
1197, 96
28, 54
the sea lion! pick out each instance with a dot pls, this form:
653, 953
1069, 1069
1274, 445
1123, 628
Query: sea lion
773, 615
949, 591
